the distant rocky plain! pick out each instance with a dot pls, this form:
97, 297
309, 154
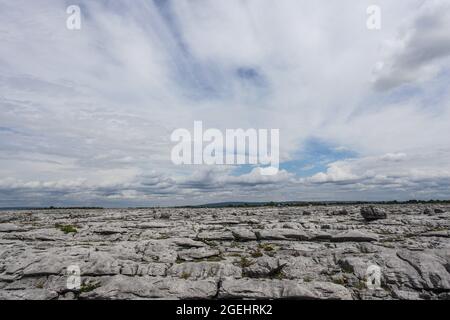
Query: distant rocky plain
317, 252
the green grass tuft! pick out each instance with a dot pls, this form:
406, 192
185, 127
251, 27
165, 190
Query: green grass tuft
66, 228
256, 254
244, 262
89, 286
266, 247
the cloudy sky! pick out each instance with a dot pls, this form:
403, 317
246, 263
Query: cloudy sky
86, 115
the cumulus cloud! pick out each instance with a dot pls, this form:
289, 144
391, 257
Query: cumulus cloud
416, 175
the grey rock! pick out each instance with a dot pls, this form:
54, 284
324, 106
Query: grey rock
123, 287
399, 273
67, 296
281, 289
28, 294
220, 236
270, 235
354, 236
100, 263
356, 265
441, 234
371, 213
200, 253
203, 270
157, 251
263, 252
431, 268
109, 231
282, 234
165, 215
321, 236
9, 227
264, 267
243, 235
296, 235
406, 295
188, 243
341, 212
153, 225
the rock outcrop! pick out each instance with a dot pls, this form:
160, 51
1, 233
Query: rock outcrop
239, 253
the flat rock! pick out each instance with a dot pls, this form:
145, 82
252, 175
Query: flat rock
123, 287
28, 294
9, 227
157, 251
354, 236
265, 267
200, 253
203, 270
281, 289
215, 235
442, 234
282, 234
109, 231
153, 225
188, 243
243, 235
433, 269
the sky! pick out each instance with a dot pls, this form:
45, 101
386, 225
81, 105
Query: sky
86, 115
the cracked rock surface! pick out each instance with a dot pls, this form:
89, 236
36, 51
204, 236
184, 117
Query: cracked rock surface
319, 252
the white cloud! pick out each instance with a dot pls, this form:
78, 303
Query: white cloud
421, 49
88, 114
